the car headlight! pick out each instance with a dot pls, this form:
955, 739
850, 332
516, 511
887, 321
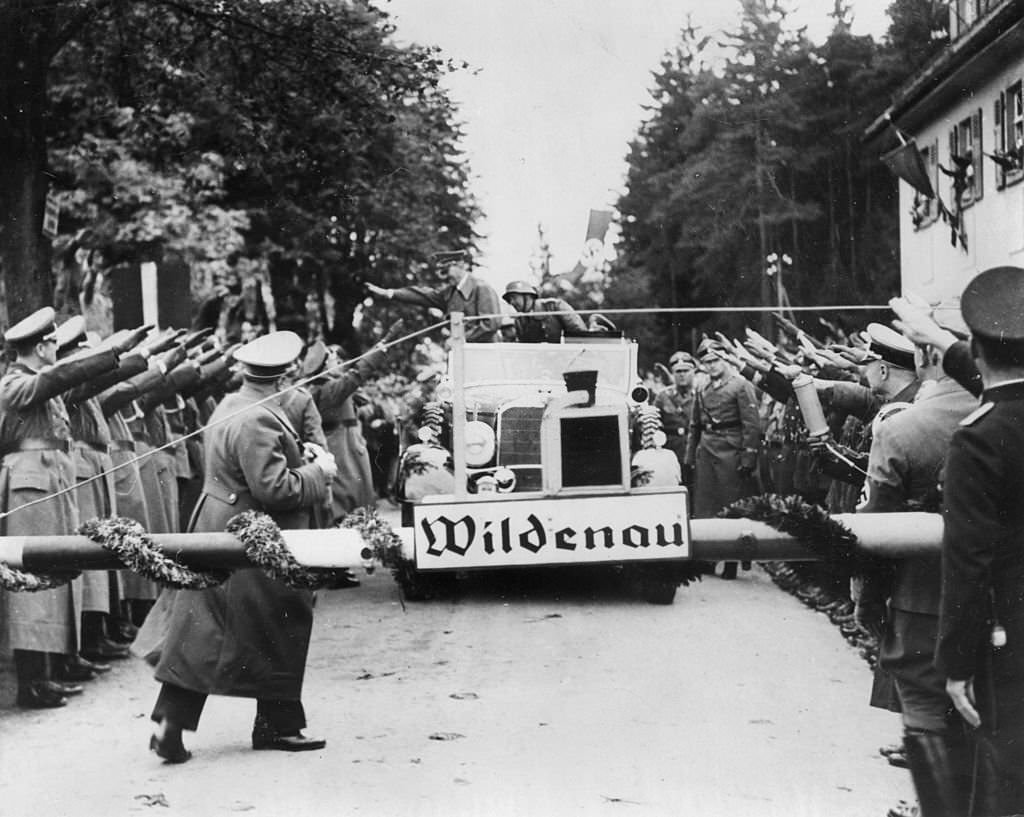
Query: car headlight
479, 444
505, 479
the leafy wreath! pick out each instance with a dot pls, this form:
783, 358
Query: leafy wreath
383, 544
812, 527
18, 581
265, 548
128, 540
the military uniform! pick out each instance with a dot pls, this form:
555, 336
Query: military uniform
36, 449
470, 296
907, 455
248, 637
981, 626
725, 436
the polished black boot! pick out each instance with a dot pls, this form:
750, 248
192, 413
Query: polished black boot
35, 691
265, 736
941, 773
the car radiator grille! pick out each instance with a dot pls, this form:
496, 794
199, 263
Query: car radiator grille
519, 444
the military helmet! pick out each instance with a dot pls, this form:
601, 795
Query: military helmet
520, 288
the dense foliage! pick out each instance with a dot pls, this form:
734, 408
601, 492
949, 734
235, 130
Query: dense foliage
292, 143
752, 154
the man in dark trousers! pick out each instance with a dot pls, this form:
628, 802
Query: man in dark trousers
465, 292
907, 453
725, 437
248, 637
981, 626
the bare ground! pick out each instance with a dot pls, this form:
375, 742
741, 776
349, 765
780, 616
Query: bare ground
551, 695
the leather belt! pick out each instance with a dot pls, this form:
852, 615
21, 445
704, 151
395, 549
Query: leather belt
123, 445
102, 448
39, 444
350, 422
724, 426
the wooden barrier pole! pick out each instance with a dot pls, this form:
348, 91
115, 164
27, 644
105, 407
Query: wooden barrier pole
895, 535
330, 548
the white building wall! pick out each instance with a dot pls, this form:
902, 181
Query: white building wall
930, 265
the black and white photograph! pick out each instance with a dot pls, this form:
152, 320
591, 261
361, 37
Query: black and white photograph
547, 409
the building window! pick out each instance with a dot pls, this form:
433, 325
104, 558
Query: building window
925, 211
965, 153
1015, 131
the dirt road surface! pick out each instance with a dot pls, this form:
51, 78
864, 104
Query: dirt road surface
550, 696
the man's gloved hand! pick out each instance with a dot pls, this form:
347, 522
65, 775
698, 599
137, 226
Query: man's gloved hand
396, 330
173, 357
322, 458
162, 341
131, 339
196, 337
745, 471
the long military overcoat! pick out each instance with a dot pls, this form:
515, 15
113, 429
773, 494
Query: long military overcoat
31, 409
248, 637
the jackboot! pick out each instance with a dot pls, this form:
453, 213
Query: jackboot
941, 773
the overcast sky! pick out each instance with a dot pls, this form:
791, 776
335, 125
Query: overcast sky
554, 97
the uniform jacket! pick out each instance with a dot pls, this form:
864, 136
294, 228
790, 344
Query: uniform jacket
548, 327
983, 550
470, 296
725, 435
249, 637
353, 486
908, 452
676, 410
31, 408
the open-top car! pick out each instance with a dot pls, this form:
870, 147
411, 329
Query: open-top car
529, 458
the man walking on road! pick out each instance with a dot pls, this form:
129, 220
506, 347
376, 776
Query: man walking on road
249, 636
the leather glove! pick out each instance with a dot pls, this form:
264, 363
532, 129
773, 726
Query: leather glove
745, 471
196, 337
396, 330
174, 357
132, 339
162, 341
322, 458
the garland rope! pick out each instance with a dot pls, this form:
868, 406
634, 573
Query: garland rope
19, 581
811, 525
266, 549
128, 540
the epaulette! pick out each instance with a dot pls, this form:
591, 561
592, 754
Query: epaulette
977, 414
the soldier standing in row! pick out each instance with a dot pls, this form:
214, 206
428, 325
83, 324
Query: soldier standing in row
908, 450
981, 625
36, 445
676, 406
725, 435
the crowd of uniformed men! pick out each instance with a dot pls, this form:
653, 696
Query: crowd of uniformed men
905, 432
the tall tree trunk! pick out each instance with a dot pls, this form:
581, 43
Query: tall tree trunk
26, 36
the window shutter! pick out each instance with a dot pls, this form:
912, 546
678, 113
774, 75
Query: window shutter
999, 135
978, 155
952, 164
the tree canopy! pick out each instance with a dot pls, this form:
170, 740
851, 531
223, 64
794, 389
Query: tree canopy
296, 142
750, 166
